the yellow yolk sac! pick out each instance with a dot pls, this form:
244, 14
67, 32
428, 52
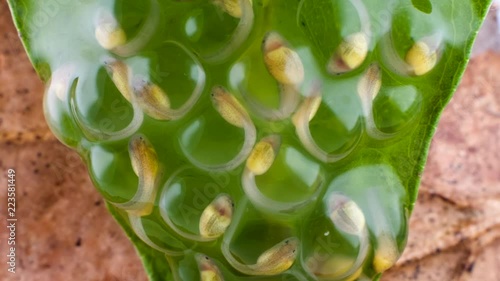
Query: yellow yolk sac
243, 140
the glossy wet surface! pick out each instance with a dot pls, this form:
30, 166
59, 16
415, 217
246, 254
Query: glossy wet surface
353, 106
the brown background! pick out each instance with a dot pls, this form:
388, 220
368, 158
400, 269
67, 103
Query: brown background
65, 233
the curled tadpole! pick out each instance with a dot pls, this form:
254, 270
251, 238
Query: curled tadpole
346, 214
277, 259
260, 160
386, 253
208, 269
138, 228
285, 66
353, 49
235, 114
306, 112
423, 56
263, 155
120, 75
263, 202
368, 88
246, 15
108, 32
273, 261
216, 217
350, 54
146, 166
152, 99
289, 100
283, 63
144, 35
163, 207
348, 217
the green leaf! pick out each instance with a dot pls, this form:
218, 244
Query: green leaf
370, 145
423, 5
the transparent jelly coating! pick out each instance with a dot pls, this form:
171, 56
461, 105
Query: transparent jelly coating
253, 139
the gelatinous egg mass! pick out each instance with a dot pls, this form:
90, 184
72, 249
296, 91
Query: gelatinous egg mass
253, 139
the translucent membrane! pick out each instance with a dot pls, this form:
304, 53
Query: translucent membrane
368, 88
349, 218
178, 65
57, 108
275, 258
396, 107
233, 113
112, 173
279, 133
301, 119
329, 253
144, 35
421, 58
350, 38
107, 107
241, 33
286, 195
136, 222
145, 165
184, 198
277, 103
